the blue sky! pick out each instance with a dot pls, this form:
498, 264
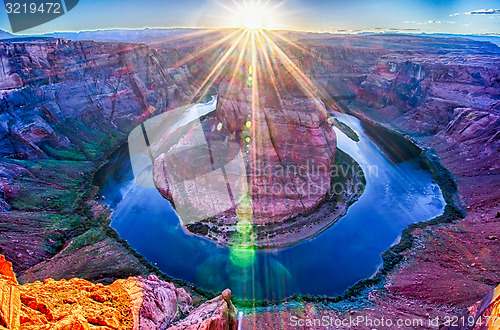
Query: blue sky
431, 16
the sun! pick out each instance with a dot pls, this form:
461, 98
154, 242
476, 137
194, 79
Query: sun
255, 15
250, 14
252, 20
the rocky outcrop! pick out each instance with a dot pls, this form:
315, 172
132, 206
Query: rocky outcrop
285, 176
6, 270
218, 313
10, 303
291, 149
134, 303
154, 303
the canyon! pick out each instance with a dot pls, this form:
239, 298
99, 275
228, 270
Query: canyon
66, 105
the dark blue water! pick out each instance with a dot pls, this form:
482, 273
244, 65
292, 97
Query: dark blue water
395, 196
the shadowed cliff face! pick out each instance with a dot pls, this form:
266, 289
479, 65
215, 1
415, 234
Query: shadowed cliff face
426, 93
51, 86
64, 106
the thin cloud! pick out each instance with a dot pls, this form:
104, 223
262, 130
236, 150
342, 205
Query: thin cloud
479, 12
484, 12
429, 22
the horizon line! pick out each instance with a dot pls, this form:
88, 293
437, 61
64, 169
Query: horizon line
333, 32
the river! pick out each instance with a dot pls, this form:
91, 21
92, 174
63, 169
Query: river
396, 195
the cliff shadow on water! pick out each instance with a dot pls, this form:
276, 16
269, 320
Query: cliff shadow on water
395, 147
116, 171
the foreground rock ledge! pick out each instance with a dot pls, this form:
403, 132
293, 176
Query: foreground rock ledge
134, 303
